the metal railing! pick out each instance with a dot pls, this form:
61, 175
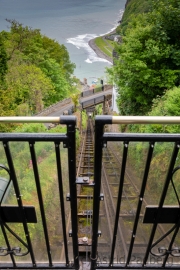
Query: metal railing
36, 236
155, 215
92, 102
95, 90
34, 213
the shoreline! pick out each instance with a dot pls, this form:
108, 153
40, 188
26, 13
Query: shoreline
99, 53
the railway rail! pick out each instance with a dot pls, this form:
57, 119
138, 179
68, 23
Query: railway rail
111, 164
110, 182
108, 198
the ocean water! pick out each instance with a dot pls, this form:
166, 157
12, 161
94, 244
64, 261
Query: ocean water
70, 22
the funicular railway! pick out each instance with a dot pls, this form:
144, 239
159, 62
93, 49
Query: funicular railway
100, 207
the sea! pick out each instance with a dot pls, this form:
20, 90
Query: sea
70, 22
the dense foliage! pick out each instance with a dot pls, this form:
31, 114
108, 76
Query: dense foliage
149, 58
132, 9
3, 61
147, 75
35, 71
165, 105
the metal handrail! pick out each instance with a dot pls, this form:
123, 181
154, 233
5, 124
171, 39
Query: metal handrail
146, 119
68, 139
62, 119
101, 139
138, 119
30, 119
106, 119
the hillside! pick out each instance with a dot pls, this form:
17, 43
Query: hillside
147, 61
132, 9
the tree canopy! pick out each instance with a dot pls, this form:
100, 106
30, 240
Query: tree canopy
36, 70
166, 105
149, 58
3, 61
132, 9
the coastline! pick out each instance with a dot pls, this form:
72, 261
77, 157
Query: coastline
99, 53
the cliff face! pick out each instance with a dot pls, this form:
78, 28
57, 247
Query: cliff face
127, 2
133, 7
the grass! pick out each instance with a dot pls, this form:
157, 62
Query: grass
104, 45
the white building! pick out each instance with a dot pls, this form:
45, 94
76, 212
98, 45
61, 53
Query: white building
114, 97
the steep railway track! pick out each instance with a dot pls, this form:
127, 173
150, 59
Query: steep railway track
85, 190
109, 187
85, 196
111, 170
112, 160
110, 183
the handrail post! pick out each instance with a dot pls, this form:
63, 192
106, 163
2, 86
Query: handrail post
71, 133
98, 145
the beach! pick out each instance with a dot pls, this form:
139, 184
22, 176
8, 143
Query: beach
73, 23
99, 53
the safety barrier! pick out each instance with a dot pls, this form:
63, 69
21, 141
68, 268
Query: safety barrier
145, 231
38, 169
35, 169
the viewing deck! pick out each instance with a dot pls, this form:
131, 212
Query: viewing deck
113, 204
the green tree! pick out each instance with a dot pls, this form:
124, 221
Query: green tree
43, 52
22, 38
75, 100
37, 47
28, 85
6, 99
55, 73
132, 9
149, 59
165, 105
3, 61
60, 54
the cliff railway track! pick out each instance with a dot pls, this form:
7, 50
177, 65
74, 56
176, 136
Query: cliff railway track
109, 189
111, 193
110, 181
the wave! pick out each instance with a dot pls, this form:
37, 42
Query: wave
81, 42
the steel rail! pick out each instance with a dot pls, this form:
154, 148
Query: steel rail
141, 195
120, 191
62, 205
113, 155
62, 119
81, 156
84, 168
30, 119
103, 119
114, 211
145, 119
